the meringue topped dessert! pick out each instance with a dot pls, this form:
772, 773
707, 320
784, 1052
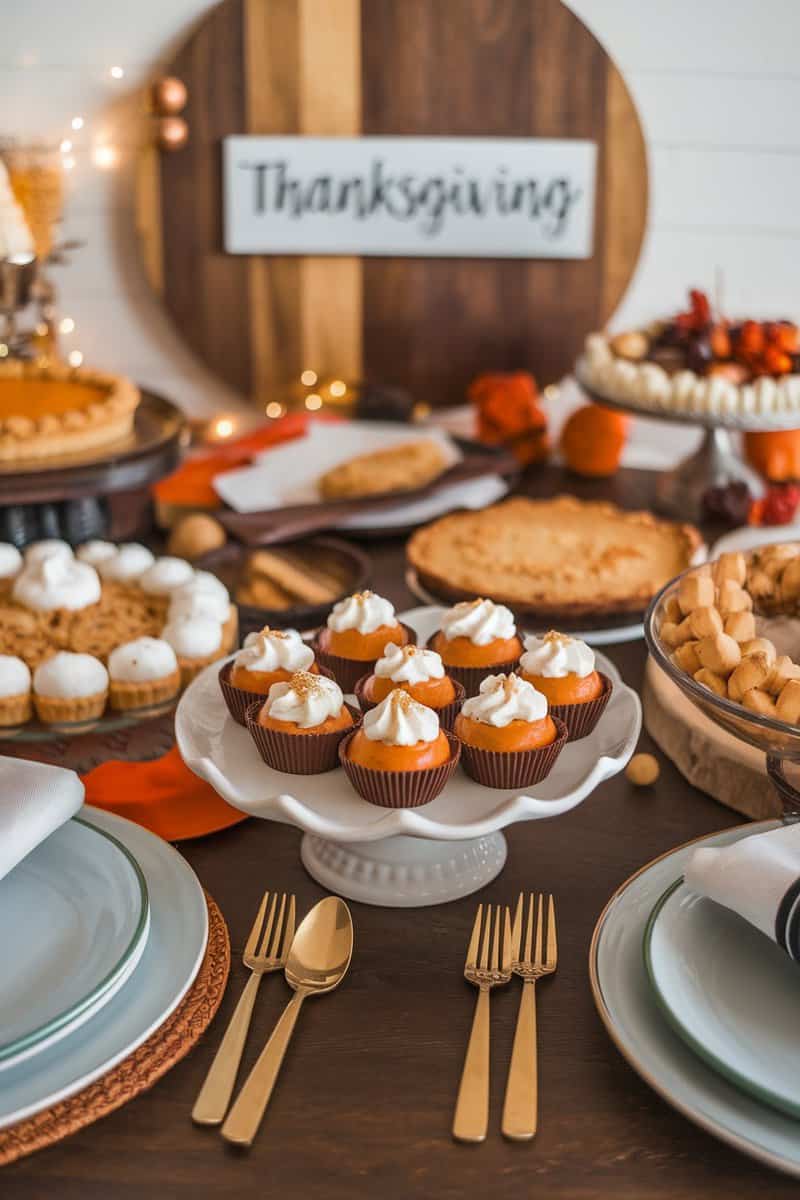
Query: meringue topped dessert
360, 626
477, 633
305, 703
399, 735
271, 656
508, 714
562, 668
412, 669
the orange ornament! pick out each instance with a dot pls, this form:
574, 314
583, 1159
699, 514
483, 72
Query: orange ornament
593, 439
775, 455
508, 412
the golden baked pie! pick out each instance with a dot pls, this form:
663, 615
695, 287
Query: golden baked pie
396, 469
562, 557
47, 410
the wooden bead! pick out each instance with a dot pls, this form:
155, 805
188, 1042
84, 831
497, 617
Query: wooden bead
760, 702
720, 654
695, 591
643, 770
787, 707
731, 566
732, 598
752, 672
714, 683
741, 625
705, 622
686, 658
759, 645
783, 670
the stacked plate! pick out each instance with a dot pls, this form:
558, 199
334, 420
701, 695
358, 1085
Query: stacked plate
104, 931
703, 1006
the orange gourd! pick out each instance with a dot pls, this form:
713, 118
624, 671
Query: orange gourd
776, 455
593, 439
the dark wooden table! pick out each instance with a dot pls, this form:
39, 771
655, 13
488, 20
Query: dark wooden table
364, 1103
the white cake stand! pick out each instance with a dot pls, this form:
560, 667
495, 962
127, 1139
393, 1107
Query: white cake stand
397, 857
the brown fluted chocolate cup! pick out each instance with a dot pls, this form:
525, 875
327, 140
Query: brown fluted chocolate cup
399, 789
446, 714
298, 753
347, 671
238, 699
513, 769
471, 678
580, 719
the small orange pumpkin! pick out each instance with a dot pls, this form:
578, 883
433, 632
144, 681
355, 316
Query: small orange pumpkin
593, 439
775, 455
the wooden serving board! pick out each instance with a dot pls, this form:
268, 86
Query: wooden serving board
511, 68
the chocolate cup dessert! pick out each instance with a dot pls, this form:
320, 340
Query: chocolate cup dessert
297, 753
347, 671
446, 714
237, 699
471, 678
580, 719
512, 769
399, 789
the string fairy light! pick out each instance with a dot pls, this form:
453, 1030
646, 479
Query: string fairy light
77, 123
74, 358
68, 163
116, 72
338, 387
274, 409
308, 378
66, 325
105, 157
223, 427
65, 146
313, 402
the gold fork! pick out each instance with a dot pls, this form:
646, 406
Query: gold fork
485, 971
520, 1111
267, 950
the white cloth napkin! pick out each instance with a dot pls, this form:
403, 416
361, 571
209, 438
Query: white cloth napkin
34, 800
757, 877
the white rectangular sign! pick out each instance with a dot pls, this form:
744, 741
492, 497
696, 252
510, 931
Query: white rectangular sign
420, 197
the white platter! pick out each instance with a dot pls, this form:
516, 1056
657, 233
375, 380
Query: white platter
636, 1023
76, 917
171, 959
472, 493
403, 857
730, 993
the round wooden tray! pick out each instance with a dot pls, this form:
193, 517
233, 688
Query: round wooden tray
152, 451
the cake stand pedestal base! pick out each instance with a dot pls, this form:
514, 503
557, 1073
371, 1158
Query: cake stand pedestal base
404, 872
679, 493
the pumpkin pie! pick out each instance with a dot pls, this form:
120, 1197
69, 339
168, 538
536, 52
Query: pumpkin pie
418, 671
508, 737
558, 559
562, 668
400, 757
48, 410
299, 726
357, 630
477, 638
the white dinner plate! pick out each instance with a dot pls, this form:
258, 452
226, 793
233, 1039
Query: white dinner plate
170, 962
636, 1023
749, 537
75, 919
730, 993
471, 493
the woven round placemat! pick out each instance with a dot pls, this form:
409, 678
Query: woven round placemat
141, 1069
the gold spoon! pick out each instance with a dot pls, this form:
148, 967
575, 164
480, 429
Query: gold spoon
318, 961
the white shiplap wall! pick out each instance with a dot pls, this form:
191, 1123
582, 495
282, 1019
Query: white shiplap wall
718, 89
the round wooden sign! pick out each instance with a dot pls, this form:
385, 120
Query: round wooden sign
513, 68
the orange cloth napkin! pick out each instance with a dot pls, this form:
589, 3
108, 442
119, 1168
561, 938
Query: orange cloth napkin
163, 795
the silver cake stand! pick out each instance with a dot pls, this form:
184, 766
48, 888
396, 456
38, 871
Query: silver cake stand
717, 462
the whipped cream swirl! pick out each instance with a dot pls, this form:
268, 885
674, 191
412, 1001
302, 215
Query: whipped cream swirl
503, 699
409, 664
142, 661
57, 582
482, 621
15, 677
556, 655
305, 700
363, 611
67, 676
275, 650
400, 720
10, 561
130, 561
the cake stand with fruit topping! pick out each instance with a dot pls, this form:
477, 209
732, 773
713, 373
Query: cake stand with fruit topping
779, 740
398, 857
695, 369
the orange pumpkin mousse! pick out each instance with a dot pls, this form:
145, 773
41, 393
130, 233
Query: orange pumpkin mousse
271, 656
411, 669
399, 735
507, 715
477, 633
562, 668
305, 703
360, 626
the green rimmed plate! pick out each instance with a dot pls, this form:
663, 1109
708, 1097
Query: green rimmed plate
76, 916
729, 993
